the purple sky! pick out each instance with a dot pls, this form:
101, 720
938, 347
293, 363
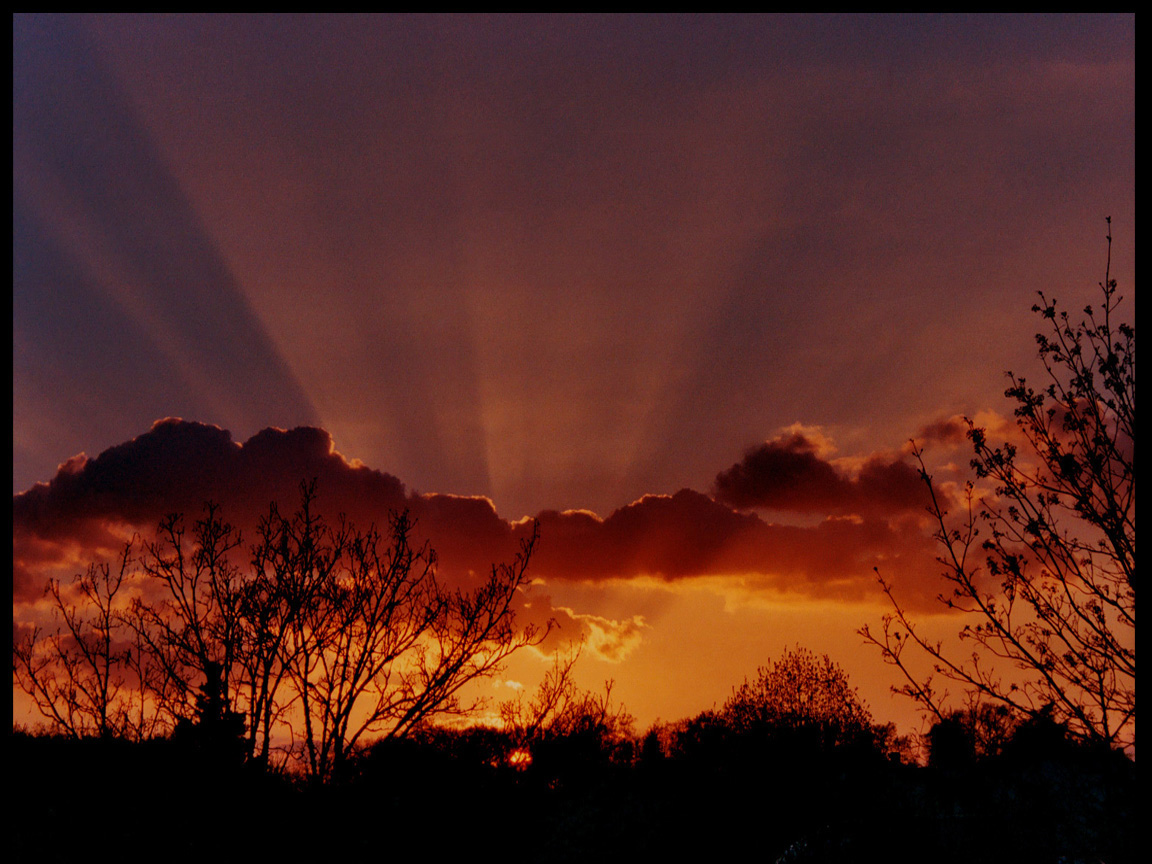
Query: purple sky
558, 261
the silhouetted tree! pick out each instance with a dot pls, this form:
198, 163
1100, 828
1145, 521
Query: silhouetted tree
559, 707
564, 729
292, 562
331, 635
75, 676
801, 692
651, 749
951, 743
1054, 597
188, 619
215, 730
1040, 736
367, 640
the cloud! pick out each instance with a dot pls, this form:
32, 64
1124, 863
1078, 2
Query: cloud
614, 640
92, 504
792, 473
951, 431
668, 536
690, 535
178, 466
605, 638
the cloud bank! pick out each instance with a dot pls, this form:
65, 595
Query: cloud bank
871, 515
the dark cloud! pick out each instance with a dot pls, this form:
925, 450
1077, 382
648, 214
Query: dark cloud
685, 534
951, 431
690, 535
177, 466
789, 473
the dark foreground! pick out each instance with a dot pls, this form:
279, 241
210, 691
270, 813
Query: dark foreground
454, 796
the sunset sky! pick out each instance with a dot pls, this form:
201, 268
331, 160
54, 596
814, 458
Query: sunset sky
681, 287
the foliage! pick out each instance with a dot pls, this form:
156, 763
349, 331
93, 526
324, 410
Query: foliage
1053, 602
980, 731
697, 788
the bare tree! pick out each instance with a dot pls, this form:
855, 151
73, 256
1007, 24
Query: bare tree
470, 640
291, 561
1050, 590
383, 646
559, 707
343, 634
75, 675
192, 632
332, 635
368, 606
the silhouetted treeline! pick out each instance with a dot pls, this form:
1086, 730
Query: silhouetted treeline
704, 786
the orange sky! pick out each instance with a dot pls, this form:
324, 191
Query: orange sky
680, 287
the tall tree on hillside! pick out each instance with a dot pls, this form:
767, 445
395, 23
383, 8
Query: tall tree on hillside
1043, 560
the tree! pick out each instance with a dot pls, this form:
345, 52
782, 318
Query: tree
965, 735
75, 675
215, 731
191, 633
566, 737
386, 647
561, 709
291, 561
800, 692
330, 635
1054, 598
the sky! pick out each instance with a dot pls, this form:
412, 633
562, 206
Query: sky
680, 287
